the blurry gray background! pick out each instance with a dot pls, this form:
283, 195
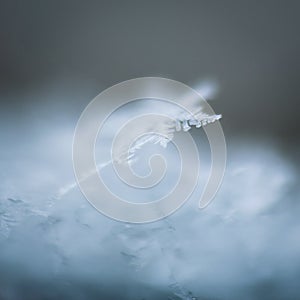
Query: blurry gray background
55, 56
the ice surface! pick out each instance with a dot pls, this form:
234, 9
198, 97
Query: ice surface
55, 245
65, 248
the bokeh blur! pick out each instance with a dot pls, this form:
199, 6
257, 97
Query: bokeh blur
56, 56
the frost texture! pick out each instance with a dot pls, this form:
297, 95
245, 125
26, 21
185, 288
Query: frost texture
180, 120
60, 247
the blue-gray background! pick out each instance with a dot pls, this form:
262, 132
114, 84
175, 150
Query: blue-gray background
55, 56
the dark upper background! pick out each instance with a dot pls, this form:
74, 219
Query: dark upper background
60, 54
